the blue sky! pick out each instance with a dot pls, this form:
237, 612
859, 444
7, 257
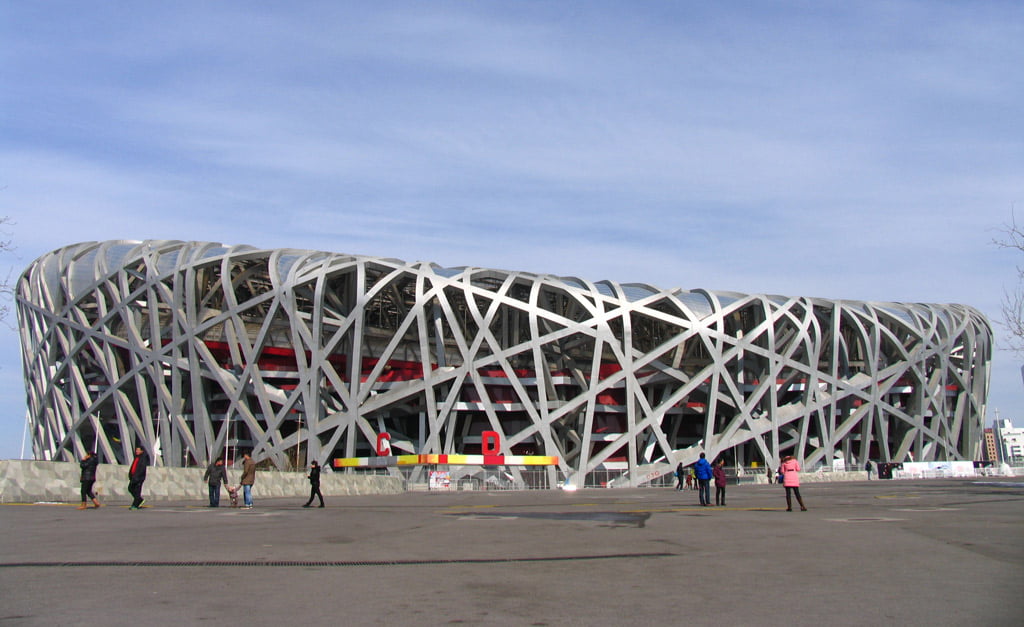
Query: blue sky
862, 150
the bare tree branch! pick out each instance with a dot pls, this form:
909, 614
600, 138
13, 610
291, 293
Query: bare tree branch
6, 286
1013, 300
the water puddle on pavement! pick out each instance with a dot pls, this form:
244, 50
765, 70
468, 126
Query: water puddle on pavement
615, 519
928, 509
864, 520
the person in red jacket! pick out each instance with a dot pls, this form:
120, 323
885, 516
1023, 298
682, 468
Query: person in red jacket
137, 476
790, 471
719, 472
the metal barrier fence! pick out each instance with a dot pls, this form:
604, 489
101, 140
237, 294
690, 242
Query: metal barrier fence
503, 478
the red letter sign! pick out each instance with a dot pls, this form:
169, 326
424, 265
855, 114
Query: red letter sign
490, 442
383, 444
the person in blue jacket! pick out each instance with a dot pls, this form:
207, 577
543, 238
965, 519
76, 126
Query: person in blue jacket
704, 473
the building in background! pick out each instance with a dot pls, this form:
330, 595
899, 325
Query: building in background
1009, 442
989, 450
194, 349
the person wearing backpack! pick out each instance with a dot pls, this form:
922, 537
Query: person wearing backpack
790, 470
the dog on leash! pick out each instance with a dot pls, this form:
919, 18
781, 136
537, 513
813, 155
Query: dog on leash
233, 493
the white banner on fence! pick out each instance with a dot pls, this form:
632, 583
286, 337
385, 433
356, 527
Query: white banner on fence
913, 470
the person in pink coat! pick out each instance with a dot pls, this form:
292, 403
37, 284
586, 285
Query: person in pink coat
790, 471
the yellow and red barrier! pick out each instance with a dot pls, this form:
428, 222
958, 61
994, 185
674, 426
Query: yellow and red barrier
490, 457
451, 460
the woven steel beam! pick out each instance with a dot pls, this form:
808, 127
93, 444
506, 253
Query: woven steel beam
194, 350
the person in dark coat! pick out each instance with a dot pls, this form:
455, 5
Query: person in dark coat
88, 466
719, 472
314, 484
216, 474
248, 479
137, 476
680, 474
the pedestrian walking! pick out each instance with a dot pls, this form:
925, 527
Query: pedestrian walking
88, 466
719, 472
680, 472
702, 470
314, 484
216, 474
137, 476
248, 479
867, 467
790, 471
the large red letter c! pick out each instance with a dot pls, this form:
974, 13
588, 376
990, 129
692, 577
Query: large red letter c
383, 444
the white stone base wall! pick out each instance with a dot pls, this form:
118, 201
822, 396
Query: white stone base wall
27, 481
821, 477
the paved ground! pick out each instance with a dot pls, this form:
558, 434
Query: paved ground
939, 552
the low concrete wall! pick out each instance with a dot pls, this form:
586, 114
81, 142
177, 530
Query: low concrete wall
26, 481
862, 475
816, 477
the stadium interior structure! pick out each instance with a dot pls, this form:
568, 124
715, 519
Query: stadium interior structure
193, 350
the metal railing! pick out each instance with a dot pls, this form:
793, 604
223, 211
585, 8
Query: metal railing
502, 478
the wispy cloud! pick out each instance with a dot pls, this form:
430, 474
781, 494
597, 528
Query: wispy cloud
859, 151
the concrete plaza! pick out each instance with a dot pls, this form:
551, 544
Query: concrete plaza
937, 552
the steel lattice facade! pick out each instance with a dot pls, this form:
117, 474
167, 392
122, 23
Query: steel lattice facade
189, 349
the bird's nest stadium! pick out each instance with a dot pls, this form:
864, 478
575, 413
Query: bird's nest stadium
194, 349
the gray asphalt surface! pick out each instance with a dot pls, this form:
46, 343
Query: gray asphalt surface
938, 552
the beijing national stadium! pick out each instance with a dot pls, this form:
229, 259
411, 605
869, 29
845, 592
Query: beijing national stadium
194, 350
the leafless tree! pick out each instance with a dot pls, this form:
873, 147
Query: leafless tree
6, 287
1013, 299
